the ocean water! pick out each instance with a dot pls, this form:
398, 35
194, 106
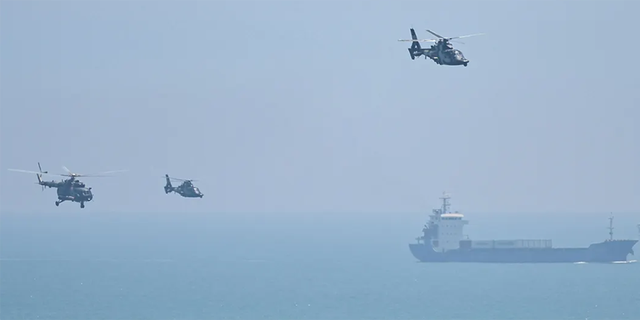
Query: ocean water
58, 266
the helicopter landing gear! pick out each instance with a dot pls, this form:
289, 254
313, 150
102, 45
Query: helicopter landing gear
82, 204
58, 203
465, 64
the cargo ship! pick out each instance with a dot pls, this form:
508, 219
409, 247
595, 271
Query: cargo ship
443, 241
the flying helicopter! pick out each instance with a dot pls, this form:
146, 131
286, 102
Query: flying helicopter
70, 189
442, 52
185, 189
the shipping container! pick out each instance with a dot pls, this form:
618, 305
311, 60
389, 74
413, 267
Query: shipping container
482, 244
509, 244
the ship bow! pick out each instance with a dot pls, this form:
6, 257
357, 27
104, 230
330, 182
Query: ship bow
611, 250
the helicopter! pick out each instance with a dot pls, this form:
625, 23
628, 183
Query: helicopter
186, 189
441, 52
70, 189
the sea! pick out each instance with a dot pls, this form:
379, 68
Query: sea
75, 265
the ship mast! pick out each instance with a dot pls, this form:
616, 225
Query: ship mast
445, 203
611, 227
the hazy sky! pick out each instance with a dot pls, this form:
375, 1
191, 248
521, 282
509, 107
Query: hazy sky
314, 107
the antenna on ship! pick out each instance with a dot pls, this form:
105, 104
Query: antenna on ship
611, 227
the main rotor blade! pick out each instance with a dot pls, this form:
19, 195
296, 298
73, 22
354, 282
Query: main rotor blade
177, 179
24, 171
467, 36
70, 174
435, 34
419, 40
100, 174
36, 172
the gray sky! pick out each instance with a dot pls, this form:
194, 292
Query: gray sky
314, 107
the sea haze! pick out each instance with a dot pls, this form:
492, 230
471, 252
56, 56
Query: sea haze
320, 147
70, 265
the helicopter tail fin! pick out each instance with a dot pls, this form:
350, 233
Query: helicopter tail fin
168, 187
415, 49
415, 45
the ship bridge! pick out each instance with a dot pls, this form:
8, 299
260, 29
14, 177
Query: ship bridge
452, 216
450, 231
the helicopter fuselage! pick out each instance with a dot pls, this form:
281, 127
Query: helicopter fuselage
190, 193
75, 194
452, 57
188, 190
71, 190
445, 54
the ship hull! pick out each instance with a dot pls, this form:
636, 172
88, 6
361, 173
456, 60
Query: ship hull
607, 251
